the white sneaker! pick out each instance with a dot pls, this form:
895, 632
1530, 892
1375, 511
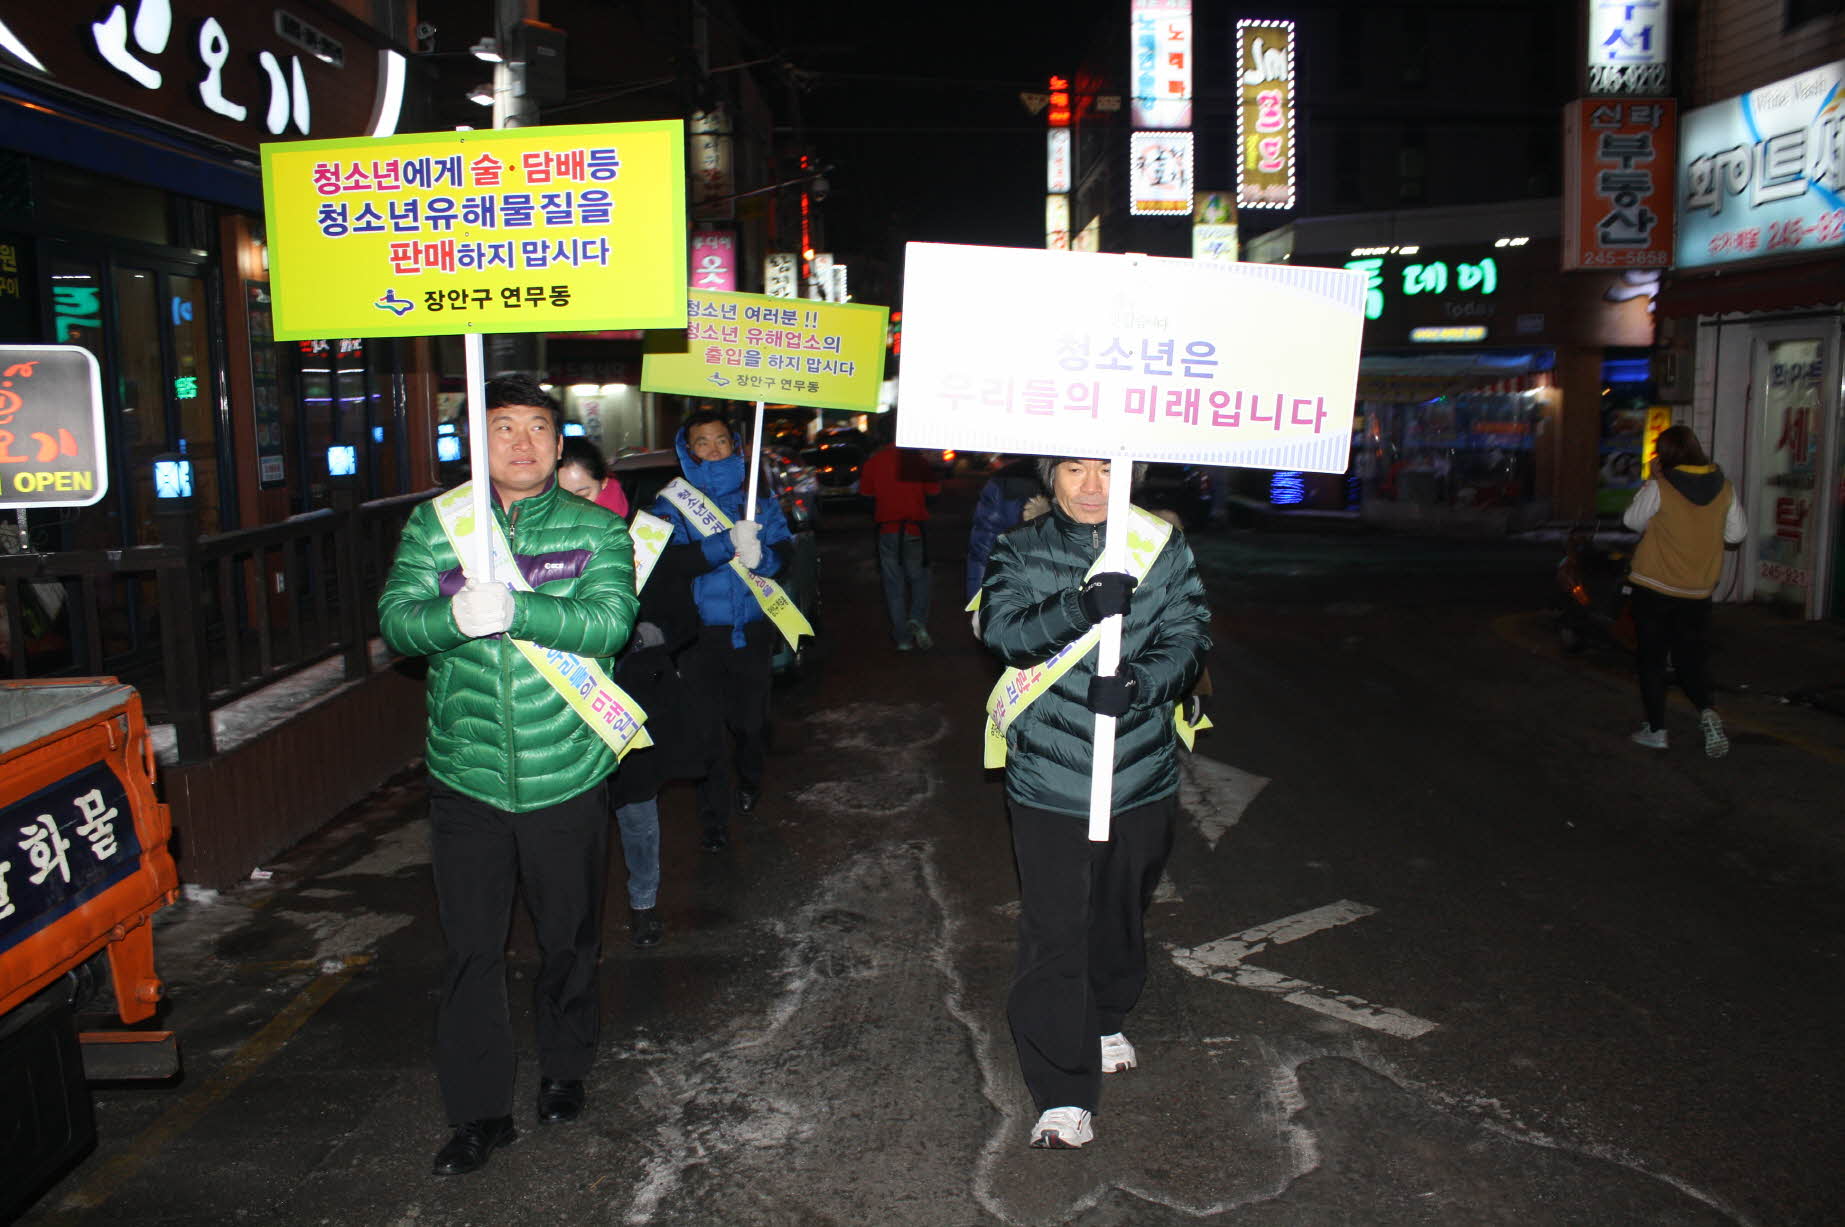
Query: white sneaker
1716, 741
1062, 1129
1117, 1054
1651, 738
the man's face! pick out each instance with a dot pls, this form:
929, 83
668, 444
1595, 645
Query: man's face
522, 450
709, 441
1081, 489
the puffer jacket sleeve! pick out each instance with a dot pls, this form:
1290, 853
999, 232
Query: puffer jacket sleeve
1169, 665
777, 541
1017, 625
595, 619
413, 615
691, 549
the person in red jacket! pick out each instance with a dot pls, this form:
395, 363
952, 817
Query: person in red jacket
899, 484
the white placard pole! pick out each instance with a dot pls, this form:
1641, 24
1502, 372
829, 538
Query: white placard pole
478, 470
1108, 650
749, 505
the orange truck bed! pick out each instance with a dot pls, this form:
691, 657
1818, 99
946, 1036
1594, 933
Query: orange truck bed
84, 863
84, 866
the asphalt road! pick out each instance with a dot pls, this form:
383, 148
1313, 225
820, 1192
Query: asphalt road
1438, 946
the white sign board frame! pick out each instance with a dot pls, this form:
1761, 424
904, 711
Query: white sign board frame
1002, 347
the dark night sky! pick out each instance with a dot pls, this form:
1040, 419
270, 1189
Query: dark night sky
918, 108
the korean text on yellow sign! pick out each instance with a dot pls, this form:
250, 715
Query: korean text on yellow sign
573, 228
793, 351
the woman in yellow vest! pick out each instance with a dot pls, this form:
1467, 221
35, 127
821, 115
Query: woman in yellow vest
1687, 516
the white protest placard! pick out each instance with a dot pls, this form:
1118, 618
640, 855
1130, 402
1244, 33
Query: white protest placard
1116, 357
1074, 353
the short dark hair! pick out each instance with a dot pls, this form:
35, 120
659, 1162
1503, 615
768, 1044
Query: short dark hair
704, 417
580, 451
521, 390
1677, 446
1047, 470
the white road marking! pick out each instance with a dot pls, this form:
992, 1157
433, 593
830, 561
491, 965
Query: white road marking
1215, 794
1226, 961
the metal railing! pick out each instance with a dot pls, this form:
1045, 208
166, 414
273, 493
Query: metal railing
200, 623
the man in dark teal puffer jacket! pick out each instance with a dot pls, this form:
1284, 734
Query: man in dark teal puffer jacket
1082, 955
518, 781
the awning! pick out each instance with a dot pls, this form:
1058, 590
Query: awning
1810, 283
127, 148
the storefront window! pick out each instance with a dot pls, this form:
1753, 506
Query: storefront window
98, 204
1789, 448
1471, 449
193, 391
139, 379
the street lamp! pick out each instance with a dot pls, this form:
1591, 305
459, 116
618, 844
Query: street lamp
487, 49
481, 95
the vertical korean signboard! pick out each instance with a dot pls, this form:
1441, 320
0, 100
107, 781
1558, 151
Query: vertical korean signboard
1214, 228
1160, 164
1265, 114
1161, 63
523, 230
714, 260
1628, 51
1618, 166
1764, 173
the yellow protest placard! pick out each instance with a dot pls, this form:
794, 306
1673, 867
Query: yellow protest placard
570, 228
794, 351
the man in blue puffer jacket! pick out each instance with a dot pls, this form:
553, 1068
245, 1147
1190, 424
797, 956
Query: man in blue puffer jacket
729, 661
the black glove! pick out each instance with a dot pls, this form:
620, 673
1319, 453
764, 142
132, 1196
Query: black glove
1112, 694
1106, 595
1194, 709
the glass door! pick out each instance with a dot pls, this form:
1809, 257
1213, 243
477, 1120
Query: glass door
1793, 469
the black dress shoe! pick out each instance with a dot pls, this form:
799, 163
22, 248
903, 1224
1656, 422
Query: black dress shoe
746, 799
559, 1101
714, 840
644, 926
468, 1150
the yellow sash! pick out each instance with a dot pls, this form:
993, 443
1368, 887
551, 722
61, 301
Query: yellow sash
1018, 689
707, 521
650, 534
609, 712
1188, 732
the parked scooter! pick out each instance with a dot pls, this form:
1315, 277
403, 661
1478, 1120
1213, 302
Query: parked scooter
1592, 606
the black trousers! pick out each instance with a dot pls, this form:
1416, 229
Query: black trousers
1675, 627
558, 858
1082, 946
735, 681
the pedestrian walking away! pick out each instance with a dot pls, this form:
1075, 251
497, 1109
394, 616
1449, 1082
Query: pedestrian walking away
1687, 515
518, 779
727, 662
899, 483
1082, 959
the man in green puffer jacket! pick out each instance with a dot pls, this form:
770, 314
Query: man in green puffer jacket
518, 792
1082, 952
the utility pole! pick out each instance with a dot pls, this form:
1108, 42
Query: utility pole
513, 108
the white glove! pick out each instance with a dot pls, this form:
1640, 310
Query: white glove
744, 536
482, 609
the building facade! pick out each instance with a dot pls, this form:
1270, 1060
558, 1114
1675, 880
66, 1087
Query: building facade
132, 225
1754, 305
